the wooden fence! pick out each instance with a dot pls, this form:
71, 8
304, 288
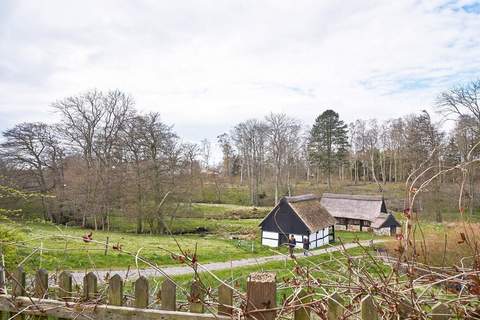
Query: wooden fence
66, 301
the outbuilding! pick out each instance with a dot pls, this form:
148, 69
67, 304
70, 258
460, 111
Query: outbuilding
360, 212
300, 216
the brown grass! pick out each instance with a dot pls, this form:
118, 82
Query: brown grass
442, 245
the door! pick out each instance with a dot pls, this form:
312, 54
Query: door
393, 230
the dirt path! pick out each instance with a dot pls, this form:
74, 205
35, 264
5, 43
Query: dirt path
180, 270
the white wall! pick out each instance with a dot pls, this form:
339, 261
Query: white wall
299, 239
382, 231
269, 234
272, 240
326, 239
319, 235
312, 238
270, 243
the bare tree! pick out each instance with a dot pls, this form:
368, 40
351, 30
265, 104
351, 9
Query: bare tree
282, 137
250, 139
206, 152
35, 147
134, 152
191, 152
225, 143
462, 100
91, 123
160, 144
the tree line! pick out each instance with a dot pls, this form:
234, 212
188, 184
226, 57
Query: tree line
278, 151
104, 158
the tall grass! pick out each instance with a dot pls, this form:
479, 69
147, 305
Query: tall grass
442, 245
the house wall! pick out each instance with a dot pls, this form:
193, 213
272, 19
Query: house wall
382, 231
319, 238
299, 239
350, 227
270, 239
352, 224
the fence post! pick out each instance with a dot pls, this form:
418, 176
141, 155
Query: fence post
225, 300
115, 290
261, 295
302, 312
440, 312
65, 285
106, 246
168, 295
18, 289
18, 282
40, 288
335, 307
367, 309
90, 286
196, 297
41, 284
141, 292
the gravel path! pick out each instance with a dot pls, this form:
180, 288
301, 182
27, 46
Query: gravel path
180, 270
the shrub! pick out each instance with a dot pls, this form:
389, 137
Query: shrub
9, 237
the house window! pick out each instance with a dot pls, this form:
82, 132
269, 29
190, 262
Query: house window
366, 223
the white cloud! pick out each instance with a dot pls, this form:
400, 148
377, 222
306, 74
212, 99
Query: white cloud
206, 65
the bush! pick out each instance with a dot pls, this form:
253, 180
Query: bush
9, 238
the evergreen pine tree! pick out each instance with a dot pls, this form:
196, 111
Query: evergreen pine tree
328, 142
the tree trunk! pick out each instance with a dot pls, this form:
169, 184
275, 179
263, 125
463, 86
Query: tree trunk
277, 173
390, 170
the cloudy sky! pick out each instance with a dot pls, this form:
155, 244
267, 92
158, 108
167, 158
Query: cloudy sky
206, 65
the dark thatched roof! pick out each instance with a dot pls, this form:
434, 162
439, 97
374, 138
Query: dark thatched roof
353, 206
310, 211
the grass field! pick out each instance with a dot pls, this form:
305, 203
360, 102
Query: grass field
330, 267
59, 247
224, 211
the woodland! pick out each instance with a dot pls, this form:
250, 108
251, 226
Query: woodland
105, 161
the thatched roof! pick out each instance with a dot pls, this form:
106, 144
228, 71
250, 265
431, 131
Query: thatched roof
310, 211
353, 206
303, 197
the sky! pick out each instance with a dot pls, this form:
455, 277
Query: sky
207, 65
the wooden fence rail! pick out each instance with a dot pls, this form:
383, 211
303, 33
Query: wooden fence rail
63, 303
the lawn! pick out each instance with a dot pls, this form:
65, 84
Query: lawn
59, 247
203, 216
329, 267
